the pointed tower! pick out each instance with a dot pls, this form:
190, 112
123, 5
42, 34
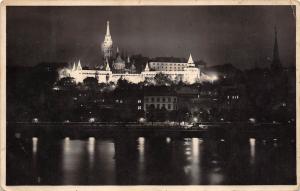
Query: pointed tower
79, 66
190, 62
74, 67
107, 68
276, 63
107, 44
128, 59
147, 68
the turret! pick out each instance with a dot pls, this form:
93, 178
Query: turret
107, 68
74, 67
79, 66
191, 61
147, 68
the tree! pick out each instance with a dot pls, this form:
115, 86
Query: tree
162, 80
66, 82
91, 83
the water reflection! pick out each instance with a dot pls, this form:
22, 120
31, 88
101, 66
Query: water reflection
72, 153
91, 151
106, 162
161, 161
252, 142
141, 161
192, 152
34, 145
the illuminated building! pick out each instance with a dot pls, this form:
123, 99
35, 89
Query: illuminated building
177, 71
107, 44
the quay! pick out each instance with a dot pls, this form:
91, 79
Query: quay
149, 129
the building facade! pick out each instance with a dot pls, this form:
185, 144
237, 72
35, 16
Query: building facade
182, 71
169, 102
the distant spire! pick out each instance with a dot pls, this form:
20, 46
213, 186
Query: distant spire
147, 68
190, 61
128, 59
276, 64
107, 68
74, 67
107, 28
117, 50
79, 66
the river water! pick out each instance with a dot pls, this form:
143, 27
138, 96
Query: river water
151, 161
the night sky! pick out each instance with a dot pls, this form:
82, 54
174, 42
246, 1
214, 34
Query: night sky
242, 35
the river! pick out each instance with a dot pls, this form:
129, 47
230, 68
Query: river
150, 161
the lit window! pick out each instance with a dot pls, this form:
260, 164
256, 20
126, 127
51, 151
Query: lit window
139, 107
121, 101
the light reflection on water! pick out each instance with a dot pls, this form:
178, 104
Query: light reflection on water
72, 153
252, 142
91, 151
34, 145
141, 160
193, 160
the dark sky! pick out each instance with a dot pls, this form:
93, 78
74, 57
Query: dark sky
241, 35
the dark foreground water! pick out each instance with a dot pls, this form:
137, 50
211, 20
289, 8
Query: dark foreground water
150, 161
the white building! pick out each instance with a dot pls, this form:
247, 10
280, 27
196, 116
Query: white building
187, 74
183, 71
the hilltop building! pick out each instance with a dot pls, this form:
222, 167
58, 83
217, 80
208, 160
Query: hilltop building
115, 68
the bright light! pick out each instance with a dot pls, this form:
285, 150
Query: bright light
91, 145
252, 120
56, 88
141, 140
214, 78
142, 120
91, 139
252, 150
168, 139
92, 120
195, 119
35, 120
195, 146
34, 144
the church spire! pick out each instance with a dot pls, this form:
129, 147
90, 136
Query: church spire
107, 68
107, 44
276, 64
79, 66
190, 61
107, 28
74, 67
147, 68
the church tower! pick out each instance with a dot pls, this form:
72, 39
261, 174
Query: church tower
276, 64
107, 44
